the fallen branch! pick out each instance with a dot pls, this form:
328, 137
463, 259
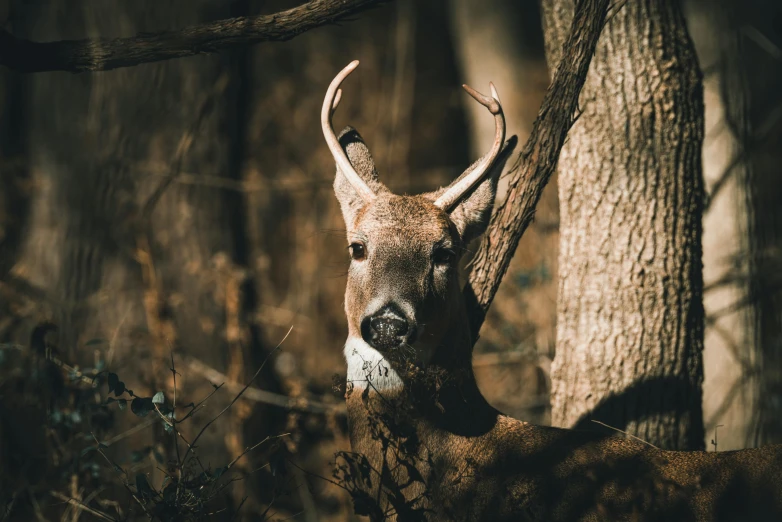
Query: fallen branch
103, 54
535, 163
258, 395
82, 507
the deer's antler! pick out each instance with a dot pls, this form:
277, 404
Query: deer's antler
455, 193
333, 96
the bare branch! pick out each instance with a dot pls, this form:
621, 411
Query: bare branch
236, 398
536, 162
257, 395
103, 54
81, 506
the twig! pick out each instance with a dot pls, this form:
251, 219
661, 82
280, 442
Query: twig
103, 54
236, 398
714, 441
305, 495
183, 147
258, 395
236, 513
249, 449
113, 340
195, 407
173, 408
82, 507
123, 474
172, 425
626, 433
129, 432
10, 506
335, 483
36, 507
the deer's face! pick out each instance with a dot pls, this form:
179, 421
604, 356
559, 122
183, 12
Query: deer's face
402, 280
403, 290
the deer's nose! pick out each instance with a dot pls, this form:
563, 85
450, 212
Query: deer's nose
387, 329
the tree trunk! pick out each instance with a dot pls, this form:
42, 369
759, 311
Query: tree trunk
630, 313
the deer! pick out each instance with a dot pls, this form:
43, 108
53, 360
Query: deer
425, 443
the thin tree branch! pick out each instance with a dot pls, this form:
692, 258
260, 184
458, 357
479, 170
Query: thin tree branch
300, 404
236, 398
103, 54
535, 163
82, 506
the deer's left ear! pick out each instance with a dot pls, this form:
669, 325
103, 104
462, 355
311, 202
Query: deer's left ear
360, 158
471, 215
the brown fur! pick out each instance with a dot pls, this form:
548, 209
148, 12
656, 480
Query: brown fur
436, 450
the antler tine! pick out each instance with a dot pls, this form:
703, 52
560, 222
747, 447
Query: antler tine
454, 194
330, 103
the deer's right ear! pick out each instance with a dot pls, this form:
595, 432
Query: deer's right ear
357, 152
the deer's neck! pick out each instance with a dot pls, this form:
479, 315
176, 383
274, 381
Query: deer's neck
439, 396
416, 427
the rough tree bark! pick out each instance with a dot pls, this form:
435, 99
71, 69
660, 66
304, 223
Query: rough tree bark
630, 313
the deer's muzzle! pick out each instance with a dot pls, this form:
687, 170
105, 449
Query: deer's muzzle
387, 329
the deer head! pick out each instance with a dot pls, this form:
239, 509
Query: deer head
403, 294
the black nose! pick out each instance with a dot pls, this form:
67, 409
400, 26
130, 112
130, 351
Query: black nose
387, 329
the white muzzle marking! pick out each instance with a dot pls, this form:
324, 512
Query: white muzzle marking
368, 368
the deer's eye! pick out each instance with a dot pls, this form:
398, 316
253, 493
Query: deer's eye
357, 251
443, 256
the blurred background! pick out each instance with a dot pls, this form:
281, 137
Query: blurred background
181, 213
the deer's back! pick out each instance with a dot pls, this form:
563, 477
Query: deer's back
518, 471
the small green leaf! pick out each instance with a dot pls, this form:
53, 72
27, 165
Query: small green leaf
169, 494
120, 389
86, 451
141, 406
123, 404
113, 380
158, 456
159, 398
142, 486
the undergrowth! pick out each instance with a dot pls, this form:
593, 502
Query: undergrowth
56, 444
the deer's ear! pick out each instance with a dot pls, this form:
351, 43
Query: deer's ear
471, 215
357, 152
